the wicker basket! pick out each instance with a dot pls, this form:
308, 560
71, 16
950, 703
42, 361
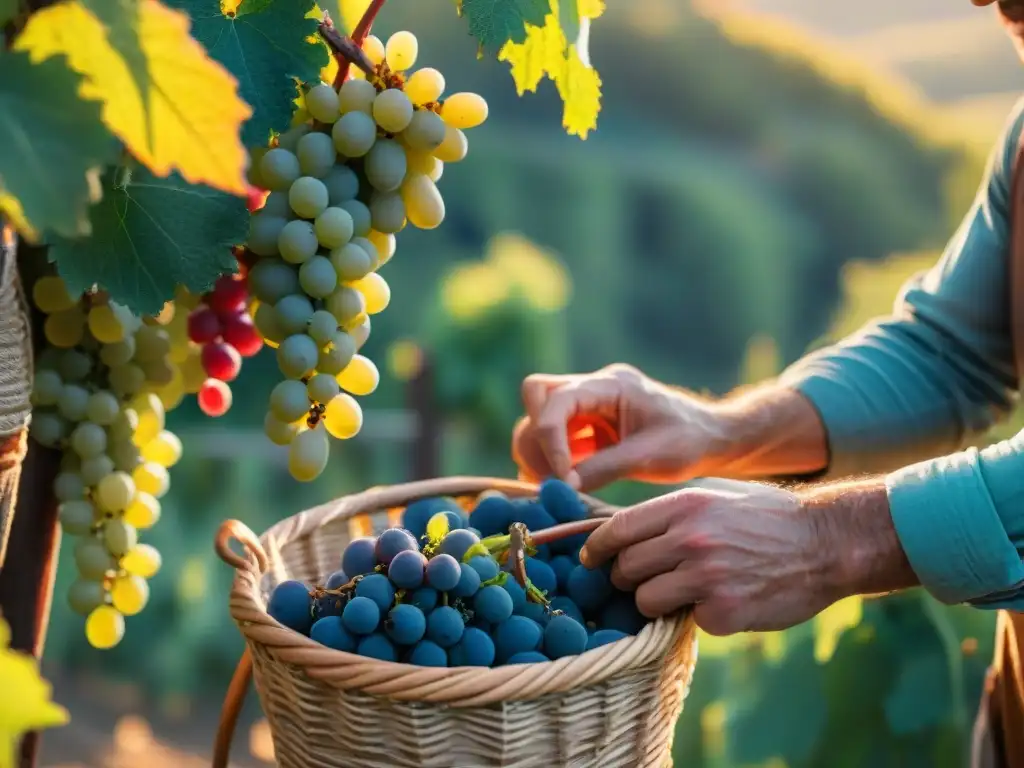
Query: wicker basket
612, 707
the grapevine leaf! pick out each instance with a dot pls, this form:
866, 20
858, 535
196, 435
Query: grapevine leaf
53, 141
477, 549
8, 10
546, 52
497, 581
265, 44
580, 89
496, 22
26, 704
173, 107
569, 19
151, 234
590, 9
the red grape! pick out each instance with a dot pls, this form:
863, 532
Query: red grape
229, 295
221, 361
241, 333
255, 198
214, 397
203, 325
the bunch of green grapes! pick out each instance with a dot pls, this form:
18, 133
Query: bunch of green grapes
103, 384
343, 183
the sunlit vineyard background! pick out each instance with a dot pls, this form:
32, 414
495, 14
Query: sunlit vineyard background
752, 192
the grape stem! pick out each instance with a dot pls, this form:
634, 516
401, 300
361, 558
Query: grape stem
346, 50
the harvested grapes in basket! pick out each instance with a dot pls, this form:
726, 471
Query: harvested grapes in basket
501, 585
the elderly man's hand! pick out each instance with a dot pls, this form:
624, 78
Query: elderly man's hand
754, 559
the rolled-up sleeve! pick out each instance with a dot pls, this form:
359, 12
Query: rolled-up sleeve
960, 520
926, 381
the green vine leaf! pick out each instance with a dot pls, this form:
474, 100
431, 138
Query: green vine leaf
8, 10
266, 46
495, 22
151, 234
52, 141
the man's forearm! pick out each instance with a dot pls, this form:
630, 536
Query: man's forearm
767, 431
854, 522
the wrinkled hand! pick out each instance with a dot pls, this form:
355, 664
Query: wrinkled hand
751, 560
663, 433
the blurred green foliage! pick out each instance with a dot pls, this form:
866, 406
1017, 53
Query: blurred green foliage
705, 234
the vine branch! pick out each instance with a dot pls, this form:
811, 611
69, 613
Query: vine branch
349, 50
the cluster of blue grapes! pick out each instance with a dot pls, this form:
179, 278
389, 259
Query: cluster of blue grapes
414, 596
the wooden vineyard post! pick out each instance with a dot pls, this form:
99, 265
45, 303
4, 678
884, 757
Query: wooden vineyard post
426, 446
28, 568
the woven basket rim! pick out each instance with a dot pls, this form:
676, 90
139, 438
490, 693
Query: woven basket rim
455, 686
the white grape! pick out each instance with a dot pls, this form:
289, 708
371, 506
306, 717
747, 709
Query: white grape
360, 376
297, 356
270, 280
454, 147
143, 512
50, 294
316, 154
268, 324
279, 168
337, 355
317, 277
346, 304
343, 417
354, 134
102, 408
48, 429
322, 326
85, 596
65, 329
297, 241
68, 486
351, 262
289, 401
342, 184
385, 165
115, 492
356, 96
423, 202
425, 132
401, 51
374, 49
47, 387
88, 440
77, 516
360, 217
368, 246
126, 456
387, 212
92, 559
279, 432
151, 478
322, 387
73, 402
119, 537
392, 110
293, 313
361, 333
74, 365
308, 454
334, 227
385, 245
322, 103
104, 324
424, 86
277, 205
289, 140
464, 110
95, 469
375, 291
264, 231
126, 380
308, 197
115, 355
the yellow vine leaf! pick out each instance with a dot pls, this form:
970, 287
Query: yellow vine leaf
25, 704
173, 107
10, 208
547, 53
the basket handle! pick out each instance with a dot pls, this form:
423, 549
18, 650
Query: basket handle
232, 707
237, 530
